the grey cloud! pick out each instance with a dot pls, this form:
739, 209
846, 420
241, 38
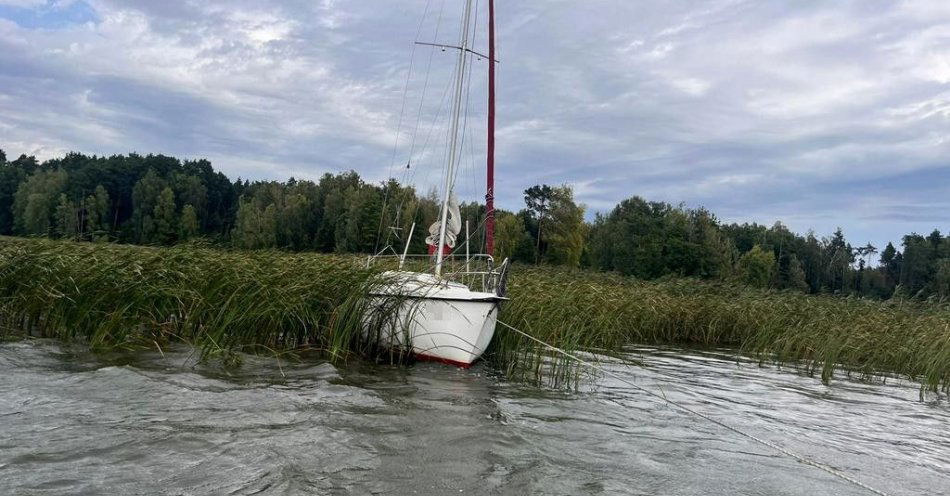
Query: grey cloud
819, 114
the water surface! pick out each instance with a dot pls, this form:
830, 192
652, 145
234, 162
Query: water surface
147, 423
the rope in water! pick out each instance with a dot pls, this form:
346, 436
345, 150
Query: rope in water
764, 442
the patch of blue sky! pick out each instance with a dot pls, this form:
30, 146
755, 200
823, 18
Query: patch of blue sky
54, 14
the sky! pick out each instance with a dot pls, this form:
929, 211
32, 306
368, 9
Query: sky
818, 114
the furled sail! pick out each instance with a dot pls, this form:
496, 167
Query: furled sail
452, 228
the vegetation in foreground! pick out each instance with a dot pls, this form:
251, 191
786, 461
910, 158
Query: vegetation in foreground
581, 310
127, 296
273, 302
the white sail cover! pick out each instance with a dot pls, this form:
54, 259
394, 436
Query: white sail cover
452, 228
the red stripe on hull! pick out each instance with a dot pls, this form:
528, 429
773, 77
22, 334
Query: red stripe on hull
430, 358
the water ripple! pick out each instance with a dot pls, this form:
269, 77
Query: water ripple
150, 423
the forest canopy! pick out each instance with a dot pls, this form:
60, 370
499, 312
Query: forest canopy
160, 200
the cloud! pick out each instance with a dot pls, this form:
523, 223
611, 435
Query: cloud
820, 114
23, 4
691, 86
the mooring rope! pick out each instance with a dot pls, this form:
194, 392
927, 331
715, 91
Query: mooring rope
763, 442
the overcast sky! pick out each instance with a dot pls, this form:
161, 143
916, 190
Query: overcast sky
816, 113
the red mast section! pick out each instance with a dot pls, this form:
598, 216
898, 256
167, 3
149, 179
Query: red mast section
490, 191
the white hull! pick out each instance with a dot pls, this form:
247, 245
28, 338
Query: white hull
432, 319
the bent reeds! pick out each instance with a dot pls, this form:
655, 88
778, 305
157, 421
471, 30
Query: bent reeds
579, 310
221, 301
262, 301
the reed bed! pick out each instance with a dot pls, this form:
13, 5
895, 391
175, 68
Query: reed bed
225, 302
222, 302
579, 310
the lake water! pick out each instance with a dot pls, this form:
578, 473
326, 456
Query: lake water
141, 423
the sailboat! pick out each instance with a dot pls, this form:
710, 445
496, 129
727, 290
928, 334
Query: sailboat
446, 310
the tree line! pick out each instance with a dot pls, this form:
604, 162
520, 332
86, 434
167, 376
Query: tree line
160, 200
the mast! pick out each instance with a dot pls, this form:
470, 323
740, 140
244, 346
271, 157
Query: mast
453, 143
490, 189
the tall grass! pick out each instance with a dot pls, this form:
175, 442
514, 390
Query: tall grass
590, 311
127, 296
223, 302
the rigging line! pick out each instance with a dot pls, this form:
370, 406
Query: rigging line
411, 174
408, 173
475, 25
425, 85
465, 129
467, 105
476, 191
441, 101
764, 442
471, 144
471, 141
435, 121
459, 242
471, 166
457, 80
444, 161
458, 245
402, 109
471, 234
425, 145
